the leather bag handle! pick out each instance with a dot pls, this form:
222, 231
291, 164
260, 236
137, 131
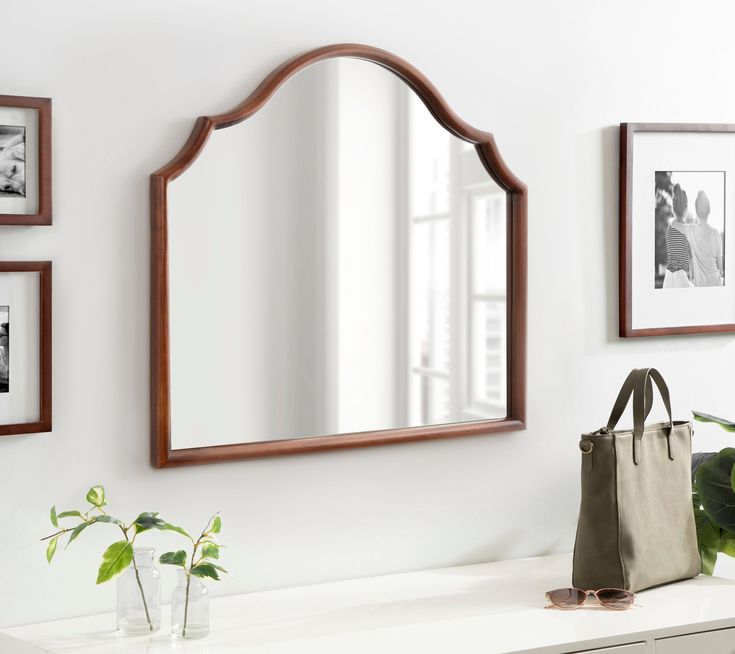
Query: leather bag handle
644, 377
639, 385
624, 396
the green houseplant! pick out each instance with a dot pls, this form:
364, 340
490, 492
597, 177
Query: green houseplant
713, 495
119, 555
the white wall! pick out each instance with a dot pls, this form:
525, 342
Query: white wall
551, 80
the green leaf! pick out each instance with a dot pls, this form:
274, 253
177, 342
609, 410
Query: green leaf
70, 514
714, 485
51, 549
727, 425
216, 525
205, 570
115, 559
726, 543
148, 520
107, 518
96, 496
173, 558
218, 567
210, 551
54, 521
167, 526
698, 458
79, 529
708, 536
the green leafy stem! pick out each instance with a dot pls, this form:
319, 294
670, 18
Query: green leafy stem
204, 550
118, 556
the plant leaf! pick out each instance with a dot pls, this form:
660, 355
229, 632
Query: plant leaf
148, 520
107, 518
115, 559
205, 570
54, 521
51, 549
698, 458
727, 425
79, 529
218, 567
216, 525
726, 543
210, 551
708, 536
96, 496
173, 558
715, 489
70, 514
167, 526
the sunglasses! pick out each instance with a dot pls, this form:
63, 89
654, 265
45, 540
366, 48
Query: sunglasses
574, 598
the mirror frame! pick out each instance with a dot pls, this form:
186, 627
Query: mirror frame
161, 453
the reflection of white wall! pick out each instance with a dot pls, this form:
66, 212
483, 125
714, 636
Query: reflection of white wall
366, 204
246, 279
303, 325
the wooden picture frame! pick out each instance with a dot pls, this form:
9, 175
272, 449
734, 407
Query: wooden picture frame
655, 158
25, 165
38, 358
162, 453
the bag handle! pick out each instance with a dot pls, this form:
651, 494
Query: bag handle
639, 417
624, 397
639, 385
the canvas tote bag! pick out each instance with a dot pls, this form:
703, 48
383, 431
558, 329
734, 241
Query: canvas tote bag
636, 522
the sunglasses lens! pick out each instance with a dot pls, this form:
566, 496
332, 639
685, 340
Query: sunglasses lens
567, 598
615, 598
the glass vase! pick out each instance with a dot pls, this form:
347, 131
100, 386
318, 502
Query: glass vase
139, 595
189, 608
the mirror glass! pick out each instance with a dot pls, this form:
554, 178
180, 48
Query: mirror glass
337, 264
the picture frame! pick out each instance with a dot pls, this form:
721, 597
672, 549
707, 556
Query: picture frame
25, 160
677, 229
25, 347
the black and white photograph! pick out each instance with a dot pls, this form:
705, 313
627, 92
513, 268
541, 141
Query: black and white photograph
25, 160
25, 377
689, 229
4, 349
12, 161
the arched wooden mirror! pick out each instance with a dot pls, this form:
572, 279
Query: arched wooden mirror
339, 261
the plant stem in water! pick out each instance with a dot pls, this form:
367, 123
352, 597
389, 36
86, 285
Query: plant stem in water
142, 594
186, 605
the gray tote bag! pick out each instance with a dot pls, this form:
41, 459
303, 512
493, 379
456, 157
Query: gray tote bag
636, 522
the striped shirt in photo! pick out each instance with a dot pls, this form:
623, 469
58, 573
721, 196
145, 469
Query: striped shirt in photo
678, 251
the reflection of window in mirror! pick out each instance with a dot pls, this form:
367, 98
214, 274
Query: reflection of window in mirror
456, 365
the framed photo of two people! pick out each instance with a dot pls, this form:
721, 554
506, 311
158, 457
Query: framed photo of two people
677, 229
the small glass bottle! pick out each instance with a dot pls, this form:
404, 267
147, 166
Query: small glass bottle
189, 607
139, 596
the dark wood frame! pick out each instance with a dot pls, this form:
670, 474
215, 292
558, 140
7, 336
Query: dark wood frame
43, 214
161, 453
44, 345
625, 289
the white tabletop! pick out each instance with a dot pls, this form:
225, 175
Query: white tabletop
489, 608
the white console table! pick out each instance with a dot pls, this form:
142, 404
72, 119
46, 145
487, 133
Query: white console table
488, 608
